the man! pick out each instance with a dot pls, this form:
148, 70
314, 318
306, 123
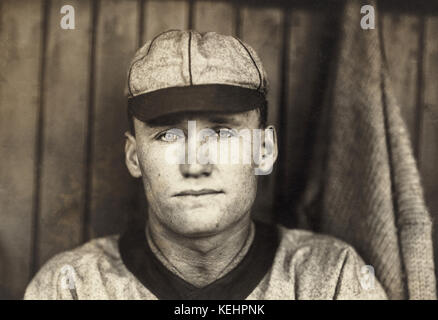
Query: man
192, 99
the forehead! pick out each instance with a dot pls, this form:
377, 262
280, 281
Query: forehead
248, 119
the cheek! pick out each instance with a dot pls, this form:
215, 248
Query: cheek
241, 182
156, 172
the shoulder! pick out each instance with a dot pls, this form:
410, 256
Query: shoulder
98, 251
87, 260
322, 266
306, 244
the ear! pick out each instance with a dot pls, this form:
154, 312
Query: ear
269, 151
131, 157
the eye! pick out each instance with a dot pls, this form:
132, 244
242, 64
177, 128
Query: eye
226, 133
171, 135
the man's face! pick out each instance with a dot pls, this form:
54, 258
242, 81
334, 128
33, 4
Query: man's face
192, 199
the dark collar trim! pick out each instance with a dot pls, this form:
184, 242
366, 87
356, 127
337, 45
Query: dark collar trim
165, 285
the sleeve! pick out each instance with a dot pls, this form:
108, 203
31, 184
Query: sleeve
55, 281
357, 280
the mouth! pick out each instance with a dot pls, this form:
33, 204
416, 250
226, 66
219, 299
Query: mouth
198, 193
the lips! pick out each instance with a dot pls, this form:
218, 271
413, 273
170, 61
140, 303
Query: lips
197, 193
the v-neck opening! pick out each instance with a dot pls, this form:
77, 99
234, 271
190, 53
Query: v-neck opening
189, 285
236, 284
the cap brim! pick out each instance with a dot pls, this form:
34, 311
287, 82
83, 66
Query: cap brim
210, 97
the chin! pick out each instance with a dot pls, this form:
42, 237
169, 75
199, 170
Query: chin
200, 222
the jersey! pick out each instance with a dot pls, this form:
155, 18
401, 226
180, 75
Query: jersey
280, 263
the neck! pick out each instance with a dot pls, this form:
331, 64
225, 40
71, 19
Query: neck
201, 260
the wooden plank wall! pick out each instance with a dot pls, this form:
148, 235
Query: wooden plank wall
20, 59
62, 109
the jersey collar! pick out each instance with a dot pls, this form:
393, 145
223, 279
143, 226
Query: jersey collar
237, 284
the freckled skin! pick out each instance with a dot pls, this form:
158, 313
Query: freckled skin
199, 236
203, 215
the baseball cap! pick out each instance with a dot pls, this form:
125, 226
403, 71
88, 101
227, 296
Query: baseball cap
180, 71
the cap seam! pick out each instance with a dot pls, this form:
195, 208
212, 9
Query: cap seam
158, 35
141, 58
201, 85
253, 61
190, 57
129, 75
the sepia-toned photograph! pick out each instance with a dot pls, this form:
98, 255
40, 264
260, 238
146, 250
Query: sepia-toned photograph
218, 150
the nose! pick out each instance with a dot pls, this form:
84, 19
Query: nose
196, 147
196, 170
